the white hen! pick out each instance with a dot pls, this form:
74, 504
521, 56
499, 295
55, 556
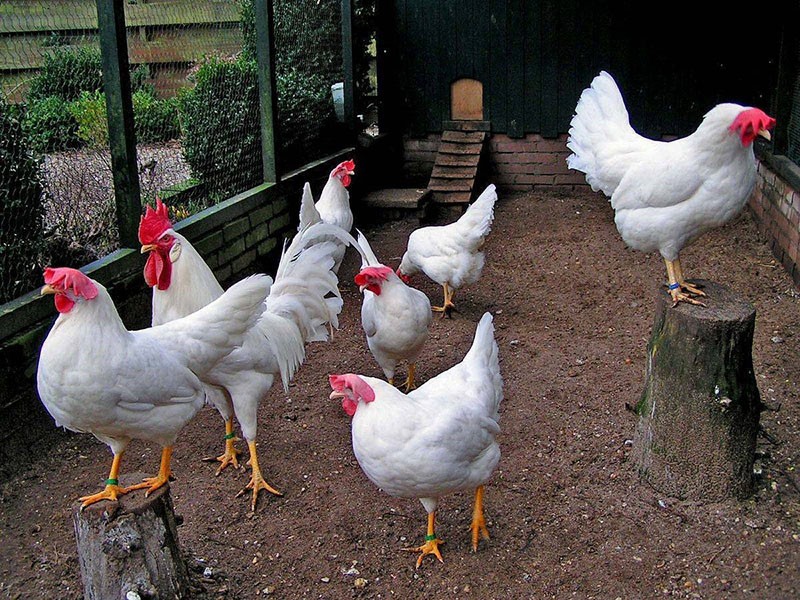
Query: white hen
303, 302
436, 440
97, 377
451, 255
395, 316
666, 194
333, 205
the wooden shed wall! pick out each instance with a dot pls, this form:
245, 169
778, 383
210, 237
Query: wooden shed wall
535, 56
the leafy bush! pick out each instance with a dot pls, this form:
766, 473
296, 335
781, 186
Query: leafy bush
155, 120
66, 72
50, 126
21, 209
219, 119
305, 108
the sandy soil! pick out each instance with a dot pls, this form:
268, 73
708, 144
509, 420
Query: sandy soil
567, 513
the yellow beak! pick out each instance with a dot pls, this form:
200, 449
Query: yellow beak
148, 248
765, 134
47, 289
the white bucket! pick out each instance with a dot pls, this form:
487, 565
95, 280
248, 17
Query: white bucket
337, 91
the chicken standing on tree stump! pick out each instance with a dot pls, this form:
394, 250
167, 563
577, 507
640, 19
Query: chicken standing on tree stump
666, 194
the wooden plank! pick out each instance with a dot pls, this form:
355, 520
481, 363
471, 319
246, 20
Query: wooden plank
458, 160
449, 185
532, 67
171, 46
448, 172
452, 197
467, 125
463, 136
19, 16
550, 71
453, 148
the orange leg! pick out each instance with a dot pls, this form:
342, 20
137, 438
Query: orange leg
231, 454
112, 490
478, 526
164, 474
431, 545
675, 287
257, 482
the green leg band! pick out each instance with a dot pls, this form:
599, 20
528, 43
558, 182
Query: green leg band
230, 436
112, 481
430, 538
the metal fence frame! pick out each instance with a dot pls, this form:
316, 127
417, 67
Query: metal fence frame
117, 86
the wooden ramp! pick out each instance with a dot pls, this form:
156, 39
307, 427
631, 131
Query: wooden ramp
396, 203
458, 161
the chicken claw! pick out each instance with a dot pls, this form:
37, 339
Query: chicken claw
429, 547
164, 475
111, 492
257, 481
679, 296
231, 454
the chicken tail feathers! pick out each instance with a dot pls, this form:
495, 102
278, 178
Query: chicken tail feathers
600, 134
305, 299
368, 257
308, 212
484, 358
477, 220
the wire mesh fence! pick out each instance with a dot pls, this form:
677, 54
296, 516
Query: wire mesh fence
195, 97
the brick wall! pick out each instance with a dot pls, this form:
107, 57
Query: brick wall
775, 206
513, 164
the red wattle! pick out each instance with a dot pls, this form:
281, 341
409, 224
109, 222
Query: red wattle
63, 303
349, 406
158, 270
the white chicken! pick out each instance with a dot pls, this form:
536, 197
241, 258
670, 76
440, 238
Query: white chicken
666, 194
303, 301
451, 255
438, 439
97, 377
395, 317
333, 205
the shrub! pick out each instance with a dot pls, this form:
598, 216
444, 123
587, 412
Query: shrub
66, 72
155, 120
21, 209
50, 126
219, 119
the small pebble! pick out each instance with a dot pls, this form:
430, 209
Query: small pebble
360, 582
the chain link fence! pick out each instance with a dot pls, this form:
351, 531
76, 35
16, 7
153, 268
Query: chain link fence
194, 81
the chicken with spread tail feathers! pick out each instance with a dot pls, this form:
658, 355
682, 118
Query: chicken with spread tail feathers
333, 206
451, 255
95, 376
666, 194
303, 302
438, 439
395, 316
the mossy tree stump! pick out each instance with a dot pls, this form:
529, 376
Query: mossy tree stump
700, 408
130, 549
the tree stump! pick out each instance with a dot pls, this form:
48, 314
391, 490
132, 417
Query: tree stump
700, 408
129, 549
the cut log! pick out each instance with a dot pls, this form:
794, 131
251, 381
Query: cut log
130, 548
700, 408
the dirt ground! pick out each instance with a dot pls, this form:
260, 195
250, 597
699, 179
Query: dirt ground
567, 513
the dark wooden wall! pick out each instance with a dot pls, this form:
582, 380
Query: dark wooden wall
672, 61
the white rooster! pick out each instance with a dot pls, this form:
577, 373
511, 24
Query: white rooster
395, 317
97, 377
333, 206
451, 255
303, 301
666, 194
436, 440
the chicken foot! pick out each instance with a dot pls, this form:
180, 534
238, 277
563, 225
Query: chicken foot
412, 368
478, 526
448, 307
677, 285
257, 481
112, 490
431, 545
164, 474
231, 454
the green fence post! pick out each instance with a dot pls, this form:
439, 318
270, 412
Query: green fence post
119, 107
347, 64
268, 95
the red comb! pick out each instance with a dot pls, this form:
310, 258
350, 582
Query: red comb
65, 279
361, 388
343, 171
154, 223
750, 122
367, 273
